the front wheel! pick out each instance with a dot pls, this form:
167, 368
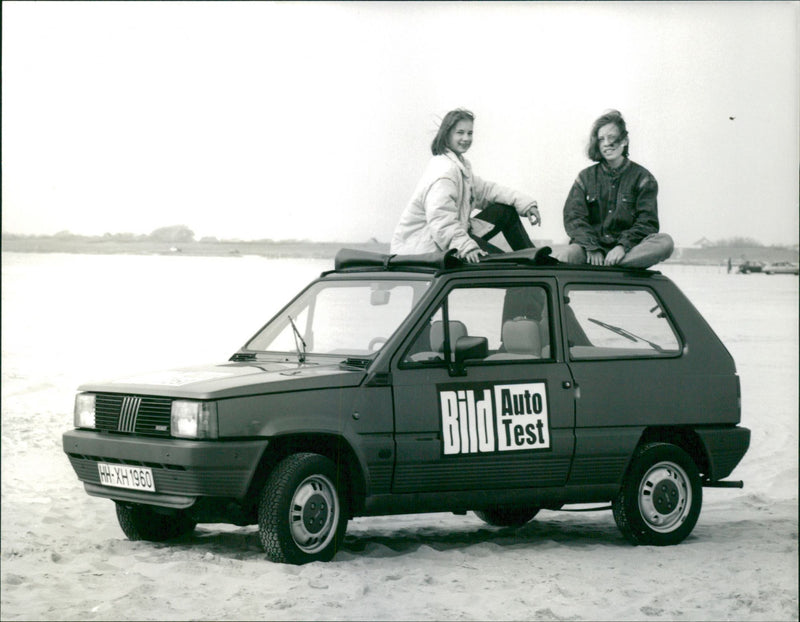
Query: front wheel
301, 514
660, 499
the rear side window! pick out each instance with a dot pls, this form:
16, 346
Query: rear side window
608, 322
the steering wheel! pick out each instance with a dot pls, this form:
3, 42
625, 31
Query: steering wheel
375, 342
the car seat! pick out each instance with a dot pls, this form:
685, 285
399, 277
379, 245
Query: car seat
521, 337
521, 340
436, 340
457, 330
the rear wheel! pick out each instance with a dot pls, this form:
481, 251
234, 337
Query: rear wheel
660, 499
506, 517
301, 514
142, 522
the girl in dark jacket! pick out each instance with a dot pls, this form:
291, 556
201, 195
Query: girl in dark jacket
611, 213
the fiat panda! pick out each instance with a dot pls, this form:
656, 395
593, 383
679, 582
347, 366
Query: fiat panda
413, 384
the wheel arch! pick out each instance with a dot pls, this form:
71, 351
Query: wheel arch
685, 438
332, 446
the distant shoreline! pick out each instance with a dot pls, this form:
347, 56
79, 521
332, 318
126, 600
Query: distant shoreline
288, 249
713, 255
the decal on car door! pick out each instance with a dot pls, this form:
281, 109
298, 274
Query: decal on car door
488, 418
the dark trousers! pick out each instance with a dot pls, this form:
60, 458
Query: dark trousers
506, 221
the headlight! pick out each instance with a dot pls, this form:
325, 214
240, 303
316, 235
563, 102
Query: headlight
194, 419
84, 410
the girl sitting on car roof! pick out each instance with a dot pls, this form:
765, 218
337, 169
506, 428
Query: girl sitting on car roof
611, 213
452, 208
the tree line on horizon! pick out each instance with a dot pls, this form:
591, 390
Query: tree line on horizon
183, 234
173, 234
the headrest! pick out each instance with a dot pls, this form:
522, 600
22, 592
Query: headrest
457, 330
521, 336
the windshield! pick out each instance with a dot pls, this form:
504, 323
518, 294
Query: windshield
340, 317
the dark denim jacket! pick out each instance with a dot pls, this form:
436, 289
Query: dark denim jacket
604, 209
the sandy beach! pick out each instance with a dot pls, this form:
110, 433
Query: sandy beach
68, 319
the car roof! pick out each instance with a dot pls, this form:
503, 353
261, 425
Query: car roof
354, 260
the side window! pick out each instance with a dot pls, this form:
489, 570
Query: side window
617, 322
513, 319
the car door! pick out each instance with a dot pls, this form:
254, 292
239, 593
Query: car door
625, 357
503, 421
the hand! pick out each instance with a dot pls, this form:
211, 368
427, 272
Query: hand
474, 256
615, 255
533, 214
594, 257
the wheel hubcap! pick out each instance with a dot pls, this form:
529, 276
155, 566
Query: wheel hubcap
665, 497
314, 513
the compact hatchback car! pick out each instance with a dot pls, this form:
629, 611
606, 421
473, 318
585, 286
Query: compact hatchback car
411, 384
782, 267
749, 267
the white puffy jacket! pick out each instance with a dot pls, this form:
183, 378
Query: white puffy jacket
438, 216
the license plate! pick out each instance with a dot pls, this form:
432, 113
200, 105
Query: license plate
123, 476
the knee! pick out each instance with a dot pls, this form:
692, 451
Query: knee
667, 244
574, 253
503, 214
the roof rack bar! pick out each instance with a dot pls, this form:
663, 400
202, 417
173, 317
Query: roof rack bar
353, 258
348, 258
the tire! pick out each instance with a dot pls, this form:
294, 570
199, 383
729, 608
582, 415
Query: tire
661, 497
141, 522
302, 515
506, 517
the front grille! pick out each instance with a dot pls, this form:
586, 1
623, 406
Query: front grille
133, 414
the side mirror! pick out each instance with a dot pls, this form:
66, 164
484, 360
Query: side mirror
468, 348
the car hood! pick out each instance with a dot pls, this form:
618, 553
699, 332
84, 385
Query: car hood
232, 379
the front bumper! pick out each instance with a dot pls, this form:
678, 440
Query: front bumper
183, 470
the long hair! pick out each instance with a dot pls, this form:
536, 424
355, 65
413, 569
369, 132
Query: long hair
439, 144
611, 116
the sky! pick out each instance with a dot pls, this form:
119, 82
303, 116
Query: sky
313, 120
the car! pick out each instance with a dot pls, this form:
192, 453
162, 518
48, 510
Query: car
782, 267
413, 384
747, 267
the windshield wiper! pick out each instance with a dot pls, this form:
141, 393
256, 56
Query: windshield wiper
301, 354
627, 334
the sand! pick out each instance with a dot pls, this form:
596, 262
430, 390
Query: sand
68, 319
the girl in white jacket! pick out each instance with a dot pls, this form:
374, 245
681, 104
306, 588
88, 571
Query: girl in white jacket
452, 208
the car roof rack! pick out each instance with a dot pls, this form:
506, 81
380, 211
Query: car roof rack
353, 259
